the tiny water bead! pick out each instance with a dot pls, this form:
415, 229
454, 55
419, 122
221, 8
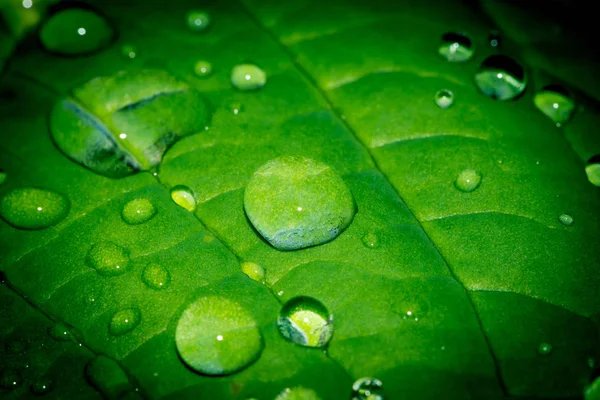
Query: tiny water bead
202, 68
106, 376
544, 349
60, 332
198, 20
444, 98
108, 258
592, 169
296, 202
495, 39
248, 77
235, 107
556, 103
305, 321
10, 379
32, 208
468, 180
124, 321
217, 336
129, 51
456, 47
184, 197
501, 78
297, 393
76, 31
138, 211
156, 277
254, 271
370, 240
367, 389
41, 386
566, 219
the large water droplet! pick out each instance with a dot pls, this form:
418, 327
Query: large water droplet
129, 51
108, 259
31, 208
3, 176
10, 378
41, 387
248, 77
501, 78
370, 240
566, 219
297, 393
367, 389
202, 68
456, 47
592, 169
544, 349
296, 202
76, 31
468, 180
184, 197
198, 20
217, 336
138, 211
305, 321
124, 321
156, 276
444, 98
555, 102
254, 271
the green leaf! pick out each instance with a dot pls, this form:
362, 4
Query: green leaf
457, 277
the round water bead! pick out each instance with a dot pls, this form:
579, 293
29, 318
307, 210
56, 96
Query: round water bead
138, 211
124, 321
444, 98
198, 20
370, 240
592, 169
544, 349
156, 277
456, 47
202, 68
108, 259
501, 78
367, 389
128, 51
32, 208
41, 386
555, 102
248, 77
305, 321
468, 180
495, 39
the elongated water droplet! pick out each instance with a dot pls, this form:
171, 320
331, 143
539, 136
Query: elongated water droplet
444, 98
248, 77
217, 336
10, 378
556, 103
138, 211
456, 47
370, 240
124, 321
76, 31
296, 202
129, 51
468, 180
31, 208
592, 169
184, 197
3, 176
501, 78
41, 386
198, 20
297, 393
156, 276
254, 271
59, 332
495, 39
202, 68
305, 321
108, 259
566, 219
544, 349
367, 389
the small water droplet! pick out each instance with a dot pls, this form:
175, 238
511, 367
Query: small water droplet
555, 102
41, 387
108, 259
184, 197
235, 107
3, 176
31, 208
456, 47
305, 321
495, 39
544, 349
297, 393
501, 78
254, 271
10, 379
566, 219
198, 20
468, 180
248, 77
129, 51
444, 98
367, 389
202, 68
156, 277
592, 169
138, 211
60, 332
124, 321
370, 240
217, 336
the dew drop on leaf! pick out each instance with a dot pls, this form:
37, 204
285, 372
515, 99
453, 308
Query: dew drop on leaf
236, 108
592, 169
367, 389
555, 102
544, 349
10, 378
444, 98
202, 68
129, 51
305, 321
59, 332
456, 47
108, 259
32, 208
495, 39
468, 180
184, 197
76, 31
566, 219
501, 78
3, 176
296, 202
124, 321
217, 336
41, 386
370, 240
198, 20
156, 277
248, 77
138, 211
254, 271
297, 393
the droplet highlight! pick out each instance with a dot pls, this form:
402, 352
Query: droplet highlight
129, 51
566, 219
202, 68
254, 271
501, 78
198, 20
468, 180
297, 393
184, 197
305, 321
444, 98
10, 379
556, 103
41, 386
124, 321
456, 47
156, 277
370, 240
592, 170
367, 389
544, 349
248, 77
108, 259
138, 211
32, 208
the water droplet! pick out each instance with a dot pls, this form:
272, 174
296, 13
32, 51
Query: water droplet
370, 240
107, 377
495, 39
456, 47
59, 332
31, 208
235, 108
156, 276
41, 386
592, 169
555, 102
203, 68
10, 378
198, 20
108, 259
248, 77
217, 336
76, 31
305, 321
138, 211
468, 180
124, 321
444, 98
501, 78
184, 197
566, 219
592, 391
296, 202
254, 271
129, 51
3, 177
367, 389
297, 393
544, 349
